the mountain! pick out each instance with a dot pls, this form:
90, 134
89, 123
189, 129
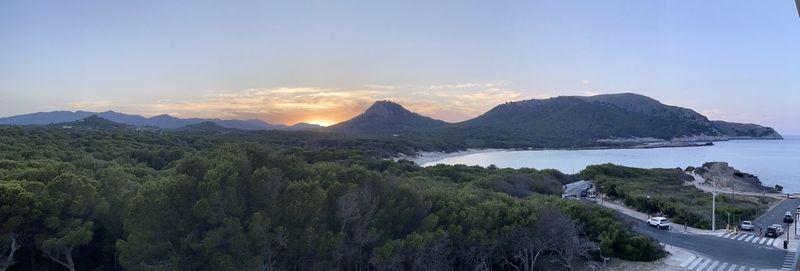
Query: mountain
94, 122
206, 126
161, 121
612, 117
387, 117
746, 130
302, 126
566, 121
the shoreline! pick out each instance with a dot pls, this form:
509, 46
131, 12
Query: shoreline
422, 158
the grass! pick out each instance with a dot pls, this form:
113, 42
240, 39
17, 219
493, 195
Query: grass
666, 192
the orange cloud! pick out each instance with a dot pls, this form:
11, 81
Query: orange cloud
289, 105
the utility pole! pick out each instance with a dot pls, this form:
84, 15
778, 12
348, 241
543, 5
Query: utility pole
714, 206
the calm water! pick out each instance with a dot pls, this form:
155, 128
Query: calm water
773, 161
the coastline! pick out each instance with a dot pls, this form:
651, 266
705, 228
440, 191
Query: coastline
423, 158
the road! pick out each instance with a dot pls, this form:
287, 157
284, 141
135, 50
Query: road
775, 215
727, 250
736, 251
575, 188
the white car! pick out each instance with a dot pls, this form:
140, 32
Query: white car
747, 225
658, 222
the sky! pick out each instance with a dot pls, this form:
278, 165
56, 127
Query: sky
326, 61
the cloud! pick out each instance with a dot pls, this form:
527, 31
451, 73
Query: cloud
585, 82
93, 105
288, 105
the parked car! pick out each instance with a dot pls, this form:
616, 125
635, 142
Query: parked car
658, 222
774, 231
791, 196
788, 218
592, 198
584, 193
747, 225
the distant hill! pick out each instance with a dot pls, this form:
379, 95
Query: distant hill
746, 130
94, 122
206, 126
387, 117
302, 126
161, 121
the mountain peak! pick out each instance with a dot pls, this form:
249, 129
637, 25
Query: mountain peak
386, 108
388, 117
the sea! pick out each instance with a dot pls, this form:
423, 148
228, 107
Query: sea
773, 161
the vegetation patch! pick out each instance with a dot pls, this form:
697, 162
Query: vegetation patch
665, 191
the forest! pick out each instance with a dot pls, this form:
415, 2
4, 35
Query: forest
74, 199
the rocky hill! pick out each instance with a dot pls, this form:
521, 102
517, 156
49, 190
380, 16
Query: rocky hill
727, 177
388, 117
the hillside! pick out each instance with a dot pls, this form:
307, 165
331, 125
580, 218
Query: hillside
206, 126
94, 122
161, 121
611, 120
746, 130
387, 117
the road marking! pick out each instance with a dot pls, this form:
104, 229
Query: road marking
740, 238
763, 240
742, 268
713, 265
696, 261
752, 269
769, 243
722, 266
726, 235
755, 240
734, 236
688, 261
749, 237
703, 265
733, 267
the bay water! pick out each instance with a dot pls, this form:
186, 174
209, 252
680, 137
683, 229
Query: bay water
773, 161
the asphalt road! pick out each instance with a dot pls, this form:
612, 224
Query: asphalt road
727, 250
575, 188
775, 216
732, 251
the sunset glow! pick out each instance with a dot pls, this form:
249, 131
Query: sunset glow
321, 122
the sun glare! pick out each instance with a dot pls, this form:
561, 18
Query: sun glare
320, 122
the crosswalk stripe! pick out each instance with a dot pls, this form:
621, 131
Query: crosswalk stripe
752, 269
733, 267
687, 261
742, 268
704, 264
710, 268
763, 240
734, 236
694, 263
742, 237
722, 266
769, 243
755, 240
727, 235
749, 237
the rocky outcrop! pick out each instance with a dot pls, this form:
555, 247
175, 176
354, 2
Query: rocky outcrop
727, 177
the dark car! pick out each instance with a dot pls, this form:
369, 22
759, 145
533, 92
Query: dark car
774, 231
584, 193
